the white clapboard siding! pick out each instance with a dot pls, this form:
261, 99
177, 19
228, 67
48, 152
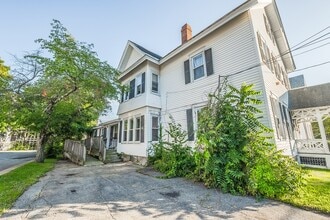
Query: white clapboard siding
272, 86
233, 50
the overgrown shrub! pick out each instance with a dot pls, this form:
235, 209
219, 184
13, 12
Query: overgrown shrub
54, 148
235, 154
173, 157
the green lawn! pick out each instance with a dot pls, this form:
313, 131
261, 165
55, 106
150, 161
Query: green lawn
316, 194
14, 183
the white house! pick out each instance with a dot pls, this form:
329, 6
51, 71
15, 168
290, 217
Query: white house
248, 43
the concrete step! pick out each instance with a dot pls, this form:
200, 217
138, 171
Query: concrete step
112, 157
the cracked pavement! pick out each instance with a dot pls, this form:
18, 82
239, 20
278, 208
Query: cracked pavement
117, 191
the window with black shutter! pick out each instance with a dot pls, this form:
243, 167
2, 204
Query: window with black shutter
143, 82
132, 89
199, 64
208, 62
120, 129
187, 72
142, 128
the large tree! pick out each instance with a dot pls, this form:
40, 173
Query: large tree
5, 78
62, 88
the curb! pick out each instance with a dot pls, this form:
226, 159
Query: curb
14, 167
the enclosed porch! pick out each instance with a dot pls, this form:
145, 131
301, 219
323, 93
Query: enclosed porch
310, 111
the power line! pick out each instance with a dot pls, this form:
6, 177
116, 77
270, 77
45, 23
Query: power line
310, 37
316, 65
312, 42
311, 49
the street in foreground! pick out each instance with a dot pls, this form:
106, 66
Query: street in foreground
10, 159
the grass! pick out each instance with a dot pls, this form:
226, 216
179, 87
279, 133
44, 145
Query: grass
14, 183
316, 194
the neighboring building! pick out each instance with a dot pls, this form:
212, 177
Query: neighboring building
247, 42
297, 82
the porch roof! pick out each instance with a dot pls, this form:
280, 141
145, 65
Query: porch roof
309, 97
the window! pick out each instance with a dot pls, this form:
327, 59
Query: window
137, 128
115, 132
125, 130
138, 82
154, 84
198, 66
278, 118
131, 128
126, 94
261, 48
155, 128
269, 29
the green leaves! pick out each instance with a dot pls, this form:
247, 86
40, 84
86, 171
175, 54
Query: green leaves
237, 156
67, 86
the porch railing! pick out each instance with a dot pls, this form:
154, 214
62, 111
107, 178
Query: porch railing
75, 151
95, 146
311, 146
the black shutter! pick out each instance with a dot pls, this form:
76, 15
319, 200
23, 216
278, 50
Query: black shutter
143, 82
142, 129
190, 125
122, 95
186, 72
132, 89
209, 61
120, 128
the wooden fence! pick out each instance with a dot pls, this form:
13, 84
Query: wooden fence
95, 146
75, 151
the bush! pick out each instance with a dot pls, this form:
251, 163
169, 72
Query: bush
174, 157
235, 154
22, 146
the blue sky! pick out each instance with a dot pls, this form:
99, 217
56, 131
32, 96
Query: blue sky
156, 25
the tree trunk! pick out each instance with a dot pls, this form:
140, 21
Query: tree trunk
40, 157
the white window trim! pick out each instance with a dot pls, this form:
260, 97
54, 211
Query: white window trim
158, 77
192, 75
136, 85
135, 128
123, 130
151, 127
130, 129
196, 109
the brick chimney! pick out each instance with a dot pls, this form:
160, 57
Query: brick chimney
186, 33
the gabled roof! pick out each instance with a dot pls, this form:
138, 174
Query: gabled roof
147, 51
143, 52
271, 9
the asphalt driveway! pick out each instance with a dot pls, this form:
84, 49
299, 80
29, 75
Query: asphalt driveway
117, 191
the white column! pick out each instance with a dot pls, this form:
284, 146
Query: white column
322, 130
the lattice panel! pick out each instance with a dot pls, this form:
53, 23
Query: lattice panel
316, 161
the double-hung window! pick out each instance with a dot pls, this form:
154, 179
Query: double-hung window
155, 128
137, 128
198, 66
138, 84
155, 83
131, 128
125, 130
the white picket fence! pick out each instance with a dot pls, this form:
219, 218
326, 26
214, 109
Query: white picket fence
75, 151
